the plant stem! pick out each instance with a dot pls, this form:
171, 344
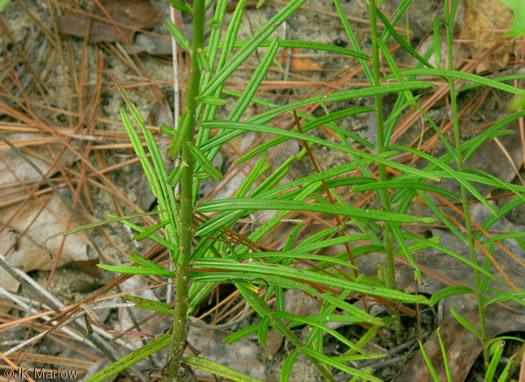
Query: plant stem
464, 200
390, 276
180, 312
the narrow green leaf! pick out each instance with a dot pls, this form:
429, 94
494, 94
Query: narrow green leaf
449, 291
506, 296
131, 359
338, 365
334, 97
353, 39
490, 133
251, 298
241, 333
484, 282
404, 184
178, 36
116, 219
204, 162
147, 263
171, 246
243, 53
444, 354
294, 205
216, 368
299, 255
428, 362
150, 230
497, 352
136, 270
278, 174
249, 91
262, 331
260, 167
458, 176
504, 376
311, 45
365, 339
144, 303
165, 129
520, 242
406, 251
324, 120
317, 323
155, 169
352, 310
293, 134
184, 7
254, 270
462, 76
288, 363
467, 325
401, 40
437, 39
210, 100
182, 131
455, 255
393, 65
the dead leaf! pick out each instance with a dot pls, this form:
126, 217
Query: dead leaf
138, 14
29, 252
486, 22
88, 266
274, 340
14, 168
461, 345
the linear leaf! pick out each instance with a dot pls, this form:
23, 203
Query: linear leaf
458, 176
216, 368
310, 45
116, 219
178, 36
293, 134
204, 162
449, 291
150, 230
403, 185
338, 365
467, 325
298, 320
353, 310
334, 97
326, 119
463, 76
255, 80
428, 362
148, 304
147, 263
294, 205
184, 7
243, 53
136, 270
255, 270
131, 359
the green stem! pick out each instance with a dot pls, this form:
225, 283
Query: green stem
180, 312
464, 199
390, 276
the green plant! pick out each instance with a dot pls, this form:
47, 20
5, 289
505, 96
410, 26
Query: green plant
221, 255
